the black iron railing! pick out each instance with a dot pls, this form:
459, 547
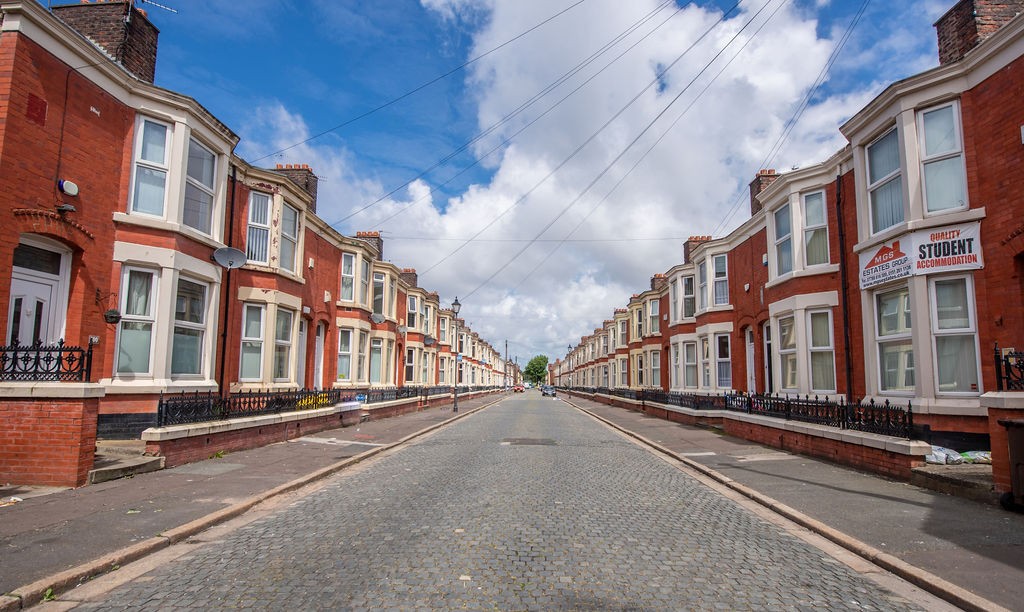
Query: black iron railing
183, 408
45, 363
1009, 370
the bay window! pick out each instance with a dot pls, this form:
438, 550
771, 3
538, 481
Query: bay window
953, 328
623, 372
639, 371
364, 283
655, 362
942, 158
189, 328
822, 352
250, 367
199, 176
674, 299
361, 355
885, 182
893, 336
674, 376
410, 365
705, 361
411, 312
135, 335
653, 308
638, 321
257, 239
443, 330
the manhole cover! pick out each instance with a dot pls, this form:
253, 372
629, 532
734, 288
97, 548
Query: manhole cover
528, 441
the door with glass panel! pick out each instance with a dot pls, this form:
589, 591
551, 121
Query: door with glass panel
35, 313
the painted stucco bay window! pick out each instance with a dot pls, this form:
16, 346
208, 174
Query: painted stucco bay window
885, 182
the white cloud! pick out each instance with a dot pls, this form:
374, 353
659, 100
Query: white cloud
699, 170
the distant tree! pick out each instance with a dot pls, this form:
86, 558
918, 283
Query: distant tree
536, 371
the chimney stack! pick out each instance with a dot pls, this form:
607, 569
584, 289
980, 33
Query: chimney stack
658, 282
409, 276
690, 244
301, 175
970, 22
118, 28
759, 184
374, 239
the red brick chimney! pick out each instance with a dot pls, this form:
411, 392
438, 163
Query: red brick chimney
409, 276
374, 239
969, 23
759, 184
690, 244
122, 31
658, 281
301, 175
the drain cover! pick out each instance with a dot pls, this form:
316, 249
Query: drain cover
529, 441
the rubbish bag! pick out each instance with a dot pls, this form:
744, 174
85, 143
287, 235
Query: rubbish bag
977, 456
941, 455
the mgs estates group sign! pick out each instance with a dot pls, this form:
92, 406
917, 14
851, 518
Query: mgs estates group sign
931, 251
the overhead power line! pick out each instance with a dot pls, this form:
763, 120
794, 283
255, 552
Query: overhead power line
517, 111
657, 79
423, 86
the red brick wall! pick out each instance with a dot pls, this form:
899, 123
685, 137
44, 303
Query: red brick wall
992, 145
88, 149
47, 442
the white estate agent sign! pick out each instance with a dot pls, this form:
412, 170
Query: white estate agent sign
942, 249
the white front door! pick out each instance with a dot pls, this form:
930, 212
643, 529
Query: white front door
318, 358
31, 310
751, 375
301, 354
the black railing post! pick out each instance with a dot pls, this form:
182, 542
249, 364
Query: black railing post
999, 367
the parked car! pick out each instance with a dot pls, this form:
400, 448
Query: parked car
518, 388
547, 390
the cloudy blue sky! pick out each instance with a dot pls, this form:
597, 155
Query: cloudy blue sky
512, 182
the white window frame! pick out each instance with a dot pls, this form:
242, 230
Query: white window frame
702, 286
411, 311
286, 238
721, 279
380, 282
783, 242
163, 167
638, 322
443, 330
190, 327
258, 230
345, 353
410, 365
253, 341
956, 153
209, 191
810, 228
348, 273
654, 361
820, 349
623, 371
788, 353
970, 330
654, 312
690, 364
639, 369
689, 299
148, 318
705, 362
723, 362
894, 175
364, 282
904, 335
283, 346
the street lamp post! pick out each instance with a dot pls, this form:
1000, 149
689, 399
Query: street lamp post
458, 355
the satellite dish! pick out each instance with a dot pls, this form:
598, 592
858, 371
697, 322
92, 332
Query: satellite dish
229, 258
428, 341
377, 318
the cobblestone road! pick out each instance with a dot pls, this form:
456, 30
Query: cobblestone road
525, 505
